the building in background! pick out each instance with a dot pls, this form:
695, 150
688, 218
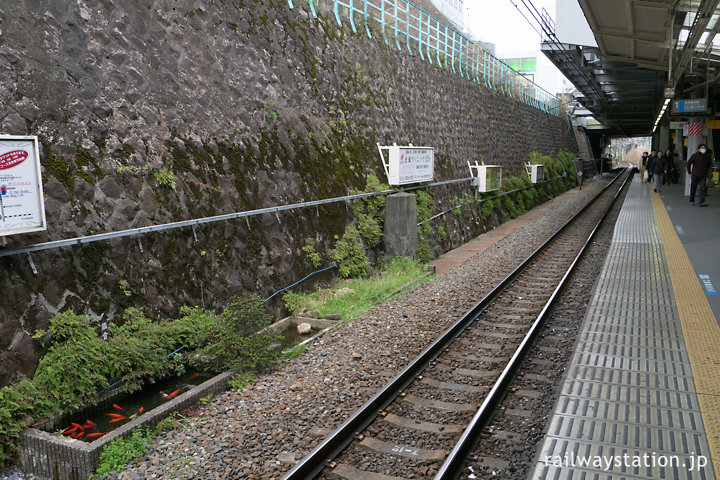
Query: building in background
526, 66
453, 10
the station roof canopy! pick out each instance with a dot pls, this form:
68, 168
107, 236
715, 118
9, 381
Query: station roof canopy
647, 51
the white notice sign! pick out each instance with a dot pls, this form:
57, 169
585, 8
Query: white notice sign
409, 164
22, 208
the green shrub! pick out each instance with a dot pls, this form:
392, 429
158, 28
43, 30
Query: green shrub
16, 403
370, 211
350, 252
235, 341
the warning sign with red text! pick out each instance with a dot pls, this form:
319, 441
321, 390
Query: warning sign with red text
22, 208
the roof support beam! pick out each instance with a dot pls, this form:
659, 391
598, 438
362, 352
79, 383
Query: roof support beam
702, 18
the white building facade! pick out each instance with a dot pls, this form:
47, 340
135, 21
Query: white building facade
453, 11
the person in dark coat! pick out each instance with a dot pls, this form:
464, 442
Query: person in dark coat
670, 166
650, 163
659, 169
698, 167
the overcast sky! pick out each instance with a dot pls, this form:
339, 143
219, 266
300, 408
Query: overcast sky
499, 22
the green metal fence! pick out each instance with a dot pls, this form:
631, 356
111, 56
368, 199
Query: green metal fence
407, 27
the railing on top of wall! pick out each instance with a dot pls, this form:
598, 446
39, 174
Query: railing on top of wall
409, 28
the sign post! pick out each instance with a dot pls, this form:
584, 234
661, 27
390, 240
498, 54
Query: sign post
22, 207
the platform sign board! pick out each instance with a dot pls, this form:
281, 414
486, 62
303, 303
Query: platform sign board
22, 208
690, 105
409, 164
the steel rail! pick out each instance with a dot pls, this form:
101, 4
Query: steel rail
314, 462
455, 461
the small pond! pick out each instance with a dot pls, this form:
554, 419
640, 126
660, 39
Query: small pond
291, 337
104, 420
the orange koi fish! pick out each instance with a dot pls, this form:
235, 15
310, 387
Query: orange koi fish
142, 409
77, 434
95, 435
114, 415
88, 424
193, 376
172, 395
115, 420
77, 425
69, 429
118, 407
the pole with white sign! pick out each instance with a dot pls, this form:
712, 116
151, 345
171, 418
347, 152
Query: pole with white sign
22, 207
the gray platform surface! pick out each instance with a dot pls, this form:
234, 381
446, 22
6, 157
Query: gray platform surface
699, 232
628, 408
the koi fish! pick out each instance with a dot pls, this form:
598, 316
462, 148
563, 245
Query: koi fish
142, 409
69, 429
115, 420
77, 434
95, 435
118, 407
77, 425
194, 375
172, 395
88, 424
114, 415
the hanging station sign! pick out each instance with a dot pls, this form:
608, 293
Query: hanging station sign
22, 208
689, 105
409, 164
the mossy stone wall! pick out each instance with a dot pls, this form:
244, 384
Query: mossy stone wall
152, 112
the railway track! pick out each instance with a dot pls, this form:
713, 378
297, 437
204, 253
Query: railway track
428, 418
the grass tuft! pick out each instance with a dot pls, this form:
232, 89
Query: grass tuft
353, 298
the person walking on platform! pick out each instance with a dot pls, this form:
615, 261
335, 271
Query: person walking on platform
660, 168
643, 166
650, 163
698, 166
670, 166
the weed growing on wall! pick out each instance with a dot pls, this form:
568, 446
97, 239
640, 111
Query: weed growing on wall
424, 206
370, 211
165, 177
310, 253
350, 251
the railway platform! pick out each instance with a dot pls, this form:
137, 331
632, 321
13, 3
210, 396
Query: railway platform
641, 395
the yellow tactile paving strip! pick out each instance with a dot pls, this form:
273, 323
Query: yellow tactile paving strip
700, 328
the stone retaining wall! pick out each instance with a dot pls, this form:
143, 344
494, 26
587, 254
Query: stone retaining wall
177, 109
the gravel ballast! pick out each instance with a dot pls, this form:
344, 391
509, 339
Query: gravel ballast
259, 431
